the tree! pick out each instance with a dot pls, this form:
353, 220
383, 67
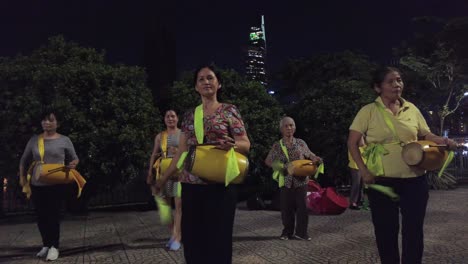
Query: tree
260, 112
439, 62
107, 109
332, 88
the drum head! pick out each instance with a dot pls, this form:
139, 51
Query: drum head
412, 153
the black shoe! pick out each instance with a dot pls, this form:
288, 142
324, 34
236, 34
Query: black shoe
304, 238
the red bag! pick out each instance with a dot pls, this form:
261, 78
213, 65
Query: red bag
325, 201
313, 186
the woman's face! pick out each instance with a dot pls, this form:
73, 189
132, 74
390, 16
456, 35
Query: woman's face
288, 127
391, 87
207, 83
49, 123
171, 119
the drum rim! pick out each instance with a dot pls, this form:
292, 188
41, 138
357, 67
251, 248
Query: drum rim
420, 147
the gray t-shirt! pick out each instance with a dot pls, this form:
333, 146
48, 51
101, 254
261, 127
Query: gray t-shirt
57, 150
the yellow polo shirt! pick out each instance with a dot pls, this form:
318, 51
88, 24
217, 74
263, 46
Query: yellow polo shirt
409, 125
352, 164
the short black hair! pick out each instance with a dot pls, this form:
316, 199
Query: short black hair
213, 68
49, 110
378, 76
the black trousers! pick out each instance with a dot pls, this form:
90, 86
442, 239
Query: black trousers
207, 222
47, 202
294, 211
414, 194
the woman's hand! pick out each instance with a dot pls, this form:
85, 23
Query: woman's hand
367, 176
72, 164
452, 145
150, 178
316, 159
227, 143
22, 180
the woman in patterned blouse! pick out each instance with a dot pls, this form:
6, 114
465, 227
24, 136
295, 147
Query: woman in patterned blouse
208, 208
293, 193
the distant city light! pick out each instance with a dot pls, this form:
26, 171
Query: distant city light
465, 94
271, 92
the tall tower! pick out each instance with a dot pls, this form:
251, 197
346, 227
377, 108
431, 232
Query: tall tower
256, 55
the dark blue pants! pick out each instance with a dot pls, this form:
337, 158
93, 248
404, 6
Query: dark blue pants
414, 194
207, 222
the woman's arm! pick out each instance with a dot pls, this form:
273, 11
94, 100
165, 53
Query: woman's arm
173, 166
441, 140
154, 155
25, 158
354, 139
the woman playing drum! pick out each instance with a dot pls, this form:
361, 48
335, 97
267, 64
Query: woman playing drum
387, 124
208, 208
165, 147
293, 189
52, 148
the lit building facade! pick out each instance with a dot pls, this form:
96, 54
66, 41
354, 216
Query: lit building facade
256, 55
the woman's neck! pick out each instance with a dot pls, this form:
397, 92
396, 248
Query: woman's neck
288, 139
50, 134
390, 102
210, 104
172, 130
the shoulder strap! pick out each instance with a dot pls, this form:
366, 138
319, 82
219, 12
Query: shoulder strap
388, 121
198, 123
285, 150
40, 146
164, 142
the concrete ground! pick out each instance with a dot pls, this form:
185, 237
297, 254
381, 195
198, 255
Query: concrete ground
136, 237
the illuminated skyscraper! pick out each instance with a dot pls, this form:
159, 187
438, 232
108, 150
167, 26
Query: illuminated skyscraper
256, 55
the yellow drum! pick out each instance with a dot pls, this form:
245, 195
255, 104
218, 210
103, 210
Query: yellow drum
58, 174
161, 165
425, 154
209, 163
302, 168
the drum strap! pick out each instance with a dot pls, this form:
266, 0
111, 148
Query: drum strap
388, 121
40, 146
164, 143
157, 163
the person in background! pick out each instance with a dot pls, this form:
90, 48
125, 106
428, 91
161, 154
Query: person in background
47, 198
293, 194
167, 150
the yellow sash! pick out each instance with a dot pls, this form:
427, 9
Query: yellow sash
75, 175
157, 163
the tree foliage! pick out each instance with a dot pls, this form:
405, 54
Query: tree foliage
106, 110
332, 88
438, 62
260, 112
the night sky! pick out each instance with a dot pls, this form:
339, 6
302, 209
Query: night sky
217, 31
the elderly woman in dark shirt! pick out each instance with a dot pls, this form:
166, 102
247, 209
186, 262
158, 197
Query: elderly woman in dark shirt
293, 193
47, 198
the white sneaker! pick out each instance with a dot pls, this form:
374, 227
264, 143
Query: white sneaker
53, 254
43, 252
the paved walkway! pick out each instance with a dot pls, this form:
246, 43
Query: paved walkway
135, 237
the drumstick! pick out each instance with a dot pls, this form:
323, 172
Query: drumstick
208, 144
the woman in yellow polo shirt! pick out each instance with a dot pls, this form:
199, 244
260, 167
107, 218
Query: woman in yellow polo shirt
402, 123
